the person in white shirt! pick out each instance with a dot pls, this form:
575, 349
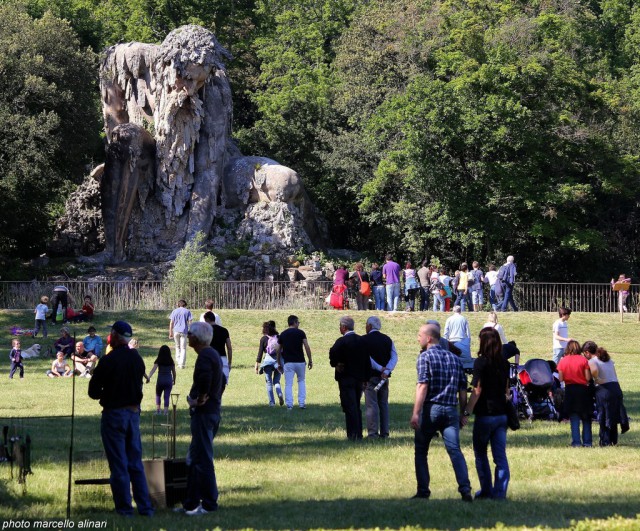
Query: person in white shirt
456, 330
491, 276
561, 334
208, 307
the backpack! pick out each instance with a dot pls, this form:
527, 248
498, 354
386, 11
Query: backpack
436, 284
272, 345
470, 278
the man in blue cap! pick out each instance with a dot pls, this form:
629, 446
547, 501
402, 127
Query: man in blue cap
117, 383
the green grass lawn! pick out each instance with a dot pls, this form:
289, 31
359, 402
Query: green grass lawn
296, 470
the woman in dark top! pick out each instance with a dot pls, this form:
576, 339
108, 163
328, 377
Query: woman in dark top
360, 275
64, 343
267, 366
377, 285
488, 403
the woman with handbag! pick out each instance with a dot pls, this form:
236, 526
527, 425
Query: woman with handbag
362, 287
489, 404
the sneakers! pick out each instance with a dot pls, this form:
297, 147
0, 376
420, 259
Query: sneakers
466, 497
281, 400
420, 495
198, 511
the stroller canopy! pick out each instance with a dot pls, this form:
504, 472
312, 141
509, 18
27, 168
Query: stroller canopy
539, 373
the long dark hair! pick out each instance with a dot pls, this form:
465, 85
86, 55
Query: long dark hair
602, 354
269, 328
590, 347
490, 345
164, 356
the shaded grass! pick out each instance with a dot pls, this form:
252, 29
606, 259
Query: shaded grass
296, 470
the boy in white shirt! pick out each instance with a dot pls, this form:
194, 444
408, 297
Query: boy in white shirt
561, 334
41, 316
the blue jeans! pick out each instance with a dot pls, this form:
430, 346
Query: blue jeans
120, 430
438, 302
575, 431
508, 298
201, 482
491, 429
40, 323
393, 296
461, 300
493, 299
377, 408
558, 353
272, 379
379, 295
443, 419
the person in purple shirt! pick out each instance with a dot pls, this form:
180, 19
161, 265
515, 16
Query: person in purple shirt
391, 275
340, 276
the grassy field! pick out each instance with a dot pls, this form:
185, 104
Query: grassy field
296, 470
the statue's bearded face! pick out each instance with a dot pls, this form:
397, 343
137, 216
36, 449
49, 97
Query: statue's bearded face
192, 78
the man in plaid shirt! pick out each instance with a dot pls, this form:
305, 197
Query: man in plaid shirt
441, 387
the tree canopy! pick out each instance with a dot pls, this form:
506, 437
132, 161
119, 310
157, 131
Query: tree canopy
452, 128
49, 123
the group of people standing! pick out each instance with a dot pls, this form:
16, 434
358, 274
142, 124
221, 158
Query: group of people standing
587, 372
464, 288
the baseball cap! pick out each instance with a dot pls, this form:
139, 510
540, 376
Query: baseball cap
123, 328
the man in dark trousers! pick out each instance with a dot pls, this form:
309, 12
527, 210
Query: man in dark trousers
383, 358
441, 388
352, 372
221, 342
204, 403
507, 276
117, 383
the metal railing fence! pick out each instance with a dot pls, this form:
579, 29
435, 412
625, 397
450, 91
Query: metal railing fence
123, 295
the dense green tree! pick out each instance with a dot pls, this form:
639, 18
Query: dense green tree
491, 132
296, 48
49, 122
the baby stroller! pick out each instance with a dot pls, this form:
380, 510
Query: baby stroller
532, 393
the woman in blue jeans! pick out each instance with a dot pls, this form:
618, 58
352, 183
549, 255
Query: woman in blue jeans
267, 365
377, 284
488, 402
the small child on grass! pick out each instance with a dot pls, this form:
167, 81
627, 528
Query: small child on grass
166, 368
16, 359
41, 316
59, 368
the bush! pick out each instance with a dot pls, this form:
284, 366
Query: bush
192, 266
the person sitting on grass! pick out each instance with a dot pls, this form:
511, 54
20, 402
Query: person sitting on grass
84, 361
93, 342
59, 367
88, 308
65, 342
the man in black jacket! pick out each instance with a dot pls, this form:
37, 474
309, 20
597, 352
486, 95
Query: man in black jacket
117, 383
204, 402
352, 372
383, 358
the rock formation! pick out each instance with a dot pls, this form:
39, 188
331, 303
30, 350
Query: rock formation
171, 166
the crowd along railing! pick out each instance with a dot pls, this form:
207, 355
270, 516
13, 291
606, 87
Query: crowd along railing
123, 295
